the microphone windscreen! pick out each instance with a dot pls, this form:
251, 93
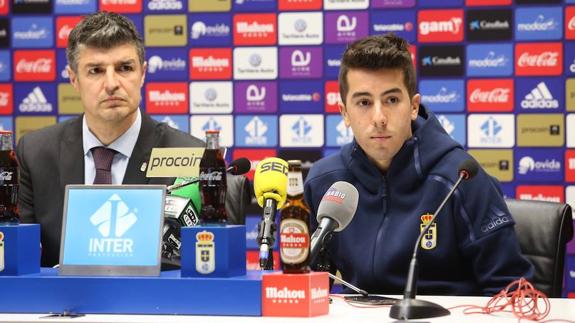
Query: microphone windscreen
191, 191
468, 169
270, 181
240, 166
339, 203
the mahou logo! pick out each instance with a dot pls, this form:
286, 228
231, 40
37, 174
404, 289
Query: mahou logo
6, 99
255, 29
332, 97
211, 64
538, 59
166, 98
64, 26
34, 65
570, 23
440, 26
550, 193
495, 95
121, 6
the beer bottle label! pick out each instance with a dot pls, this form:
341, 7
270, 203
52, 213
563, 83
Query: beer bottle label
294, 241
1, 251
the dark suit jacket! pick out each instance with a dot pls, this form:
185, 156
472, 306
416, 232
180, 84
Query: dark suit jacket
53, 157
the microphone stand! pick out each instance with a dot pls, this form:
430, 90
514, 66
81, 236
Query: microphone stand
409, 307
266, 235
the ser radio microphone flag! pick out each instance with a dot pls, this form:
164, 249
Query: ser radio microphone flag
409, 307
334, 213
270, 188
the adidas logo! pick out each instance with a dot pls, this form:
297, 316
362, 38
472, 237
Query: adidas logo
540, 97
35, 102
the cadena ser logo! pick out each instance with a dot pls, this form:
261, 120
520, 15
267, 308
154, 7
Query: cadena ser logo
538, 59
112, 220
440, 26
34, 65
64, 26
490, 95
255, 29
167, 98
210, 63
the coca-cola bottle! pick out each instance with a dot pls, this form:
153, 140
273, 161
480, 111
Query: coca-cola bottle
8, 180
294, 224
213, 181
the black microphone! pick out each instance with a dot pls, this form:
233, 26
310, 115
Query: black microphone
409, 307
239, 166
334, 213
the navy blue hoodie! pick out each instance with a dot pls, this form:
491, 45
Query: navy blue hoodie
474, 250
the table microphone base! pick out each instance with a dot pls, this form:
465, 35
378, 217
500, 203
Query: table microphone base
416, 309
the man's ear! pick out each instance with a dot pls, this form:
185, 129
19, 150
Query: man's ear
344, 113
415, 101
144, 70
73, 77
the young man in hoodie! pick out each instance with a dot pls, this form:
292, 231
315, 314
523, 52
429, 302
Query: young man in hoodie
403, 164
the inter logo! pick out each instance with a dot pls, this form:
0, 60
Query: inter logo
112, 220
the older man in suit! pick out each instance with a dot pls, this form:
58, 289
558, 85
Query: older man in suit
107, 67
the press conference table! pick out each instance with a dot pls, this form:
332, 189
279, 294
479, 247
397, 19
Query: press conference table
339, 311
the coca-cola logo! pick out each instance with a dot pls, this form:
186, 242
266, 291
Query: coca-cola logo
497, 95
64, 32
213, 176
41, 65
546, 58
571, 24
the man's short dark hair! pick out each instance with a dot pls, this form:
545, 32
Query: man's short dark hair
103, 30
377, 52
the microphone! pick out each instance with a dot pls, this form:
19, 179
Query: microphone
239, 166
409, 307
334, 213
270, 188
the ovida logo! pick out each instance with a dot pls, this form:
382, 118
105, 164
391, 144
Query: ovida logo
572, 67
256, 129
34, 33
113, 219
301, 129
35, 102
491, 128
447, 125
165, 5
546, 58
496, 95
452, 25
158, 64
540, 24
211, 124
491, 60
345, 25
255, 95
345, 135
540, 97
443, 96
528, 164
488, 25
199, 29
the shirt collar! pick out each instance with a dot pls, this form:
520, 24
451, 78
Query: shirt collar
124, 144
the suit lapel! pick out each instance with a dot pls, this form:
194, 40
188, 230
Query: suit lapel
72, 154
136, 171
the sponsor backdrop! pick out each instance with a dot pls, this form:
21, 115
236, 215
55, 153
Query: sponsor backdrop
500, 75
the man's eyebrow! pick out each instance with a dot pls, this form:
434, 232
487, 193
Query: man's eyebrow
390, 91
126, 61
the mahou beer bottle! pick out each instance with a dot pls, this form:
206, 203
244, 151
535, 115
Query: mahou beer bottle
213, 181
8, 180
294, 224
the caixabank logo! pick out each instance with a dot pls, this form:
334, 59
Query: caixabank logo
539, 165
255, 63
256, 131
538, 59
489, 25
490, 95
490, 60
64, 25
210, 63
255, 29
35, 98
4, 33
491, 130
549, 193
167, 98
447, 60
540, 130
540, 23
167, 64
337, 133
31, 6
211, 97
74, 6
443, 95
540, 94
345, 27
6, 99
28, 32
300, 28
34, 65
400, 22
301, 96
454, 125
392, 3
440, 26
296, 5
167, 6
211, 29
121, 6
301, 62
301, 130
255, 97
